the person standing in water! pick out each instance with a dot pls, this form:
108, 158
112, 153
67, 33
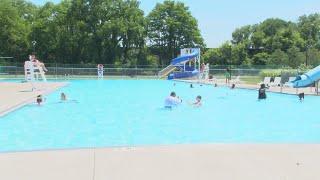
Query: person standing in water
262, 92
39, 99
63, 97
172, 101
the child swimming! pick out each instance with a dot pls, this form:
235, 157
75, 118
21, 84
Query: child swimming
39, 99
63, 97
198, 102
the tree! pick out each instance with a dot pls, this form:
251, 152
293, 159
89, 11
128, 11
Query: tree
213, 56
171, 27
309, 27
314, 57
242, 35
260, 58
13, 31
278, 57
296, 57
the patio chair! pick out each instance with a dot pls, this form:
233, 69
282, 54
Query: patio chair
276, 82
266, 81
236, 80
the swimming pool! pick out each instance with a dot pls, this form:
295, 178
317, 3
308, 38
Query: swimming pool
130, 113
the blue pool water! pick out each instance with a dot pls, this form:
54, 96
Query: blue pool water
129, 113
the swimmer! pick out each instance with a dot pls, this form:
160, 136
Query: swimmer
191, 86
198, 102
215, 85
63, 97
39, 99
172, 101
262, 92
233, 86
301, 96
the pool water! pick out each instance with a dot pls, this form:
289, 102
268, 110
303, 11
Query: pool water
108, 113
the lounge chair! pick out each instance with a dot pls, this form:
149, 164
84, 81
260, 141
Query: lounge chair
236, 80
266, 81
276, 82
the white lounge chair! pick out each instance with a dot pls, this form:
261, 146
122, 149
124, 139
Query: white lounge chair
276, 82
266, 81
236, 80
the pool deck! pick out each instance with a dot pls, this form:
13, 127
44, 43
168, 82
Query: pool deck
15, 95
275, 89
185, 162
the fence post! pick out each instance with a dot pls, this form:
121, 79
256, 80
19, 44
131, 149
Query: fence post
56, 70
16, 70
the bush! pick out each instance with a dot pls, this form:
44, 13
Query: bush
270, 73
283, 73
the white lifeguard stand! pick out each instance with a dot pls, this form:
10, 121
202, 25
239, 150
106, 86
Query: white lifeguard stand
32, 71
100, 71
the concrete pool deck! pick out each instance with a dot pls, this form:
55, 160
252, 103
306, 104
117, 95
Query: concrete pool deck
185, 162
15, 95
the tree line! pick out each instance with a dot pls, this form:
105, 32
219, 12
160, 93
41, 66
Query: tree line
273, 42
100, 31
118, 32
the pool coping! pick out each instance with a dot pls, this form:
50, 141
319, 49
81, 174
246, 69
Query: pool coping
277, 90
23, 103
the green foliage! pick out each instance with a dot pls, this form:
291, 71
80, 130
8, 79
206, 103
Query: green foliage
303, 68
100, 31
296, 57
272, 42
270, 73
260, 58
313, 56
170, 28
285, 73
278, 57
118, 32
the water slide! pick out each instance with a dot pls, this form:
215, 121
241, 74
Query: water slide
307, 79
175, 63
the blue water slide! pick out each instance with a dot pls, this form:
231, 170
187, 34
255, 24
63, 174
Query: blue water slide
185, 58
307, 79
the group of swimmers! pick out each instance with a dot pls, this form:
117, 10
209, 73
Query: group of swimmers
40, 99
173, 100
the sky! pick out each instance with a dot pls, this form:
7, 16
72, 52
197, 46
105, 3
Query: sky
217, 19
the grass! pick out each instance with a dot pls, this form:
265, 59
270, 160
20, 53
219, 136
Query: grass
250, 79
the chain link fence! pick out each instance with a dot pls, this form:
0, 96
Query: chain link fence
248, 74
